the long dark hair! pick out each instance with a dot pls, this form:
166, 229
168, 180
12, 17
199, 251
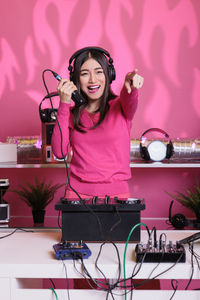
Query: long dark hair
107, 95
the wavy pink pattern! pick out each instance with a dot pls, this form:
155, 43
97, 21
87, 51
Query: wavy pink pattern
159, 37
163, 46
92, 30
196, 92
157, 111
8, 66
161, 32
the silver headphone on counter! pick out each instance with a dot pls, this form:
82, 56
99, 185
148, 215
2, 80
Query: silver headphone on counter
156, 150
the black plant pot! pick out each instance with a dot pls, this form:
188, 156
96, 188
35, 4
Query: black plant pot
38, 216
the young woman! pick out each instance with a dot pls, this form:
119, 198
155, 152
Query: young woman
99, 130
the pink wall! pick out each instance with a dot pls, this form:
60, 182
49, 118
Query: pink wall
160, 38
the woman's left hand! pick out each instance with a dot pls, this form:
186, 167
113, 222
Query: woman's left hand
133, 80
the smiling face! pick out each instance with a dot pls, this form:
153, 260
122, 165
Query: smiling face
92, 80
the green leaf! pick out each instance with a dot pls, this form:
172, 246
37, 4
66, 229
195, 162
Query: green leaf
37, 195
189, 199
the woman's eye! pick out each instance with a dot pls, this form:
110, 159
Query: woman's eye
84, 73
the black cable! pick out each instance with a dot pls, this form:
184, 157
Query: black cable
148, 280
155, 236
140, 262
162, 252
135, 273
196, 256
11, 233
174, 287
118, 257
191, 245
64, 157
109, 288
104, 286
117, 222
61, 135
118, 283
52, 282
174, 264
83, 275
86, 273
110, 293
160, 239
142, 259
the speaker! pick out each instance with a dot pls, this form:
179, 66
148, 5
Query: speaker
111, 69
4, 212
48, 115
4, 206
179, 221
156, 150
111, 220
47, 131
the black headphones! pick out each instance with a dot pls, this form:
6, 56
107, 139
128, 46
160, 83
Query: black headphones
111, 69
48, 115
179, 221
144, 150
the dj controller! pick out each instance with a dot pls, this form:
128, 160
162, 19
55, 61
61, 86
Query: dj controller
106, 202
99, 219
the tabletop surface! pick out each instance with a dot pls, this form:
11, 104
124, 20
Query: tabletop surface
30, 254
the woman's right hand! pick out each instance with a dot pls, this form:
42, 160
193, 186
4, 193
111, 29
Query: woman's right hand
65, 90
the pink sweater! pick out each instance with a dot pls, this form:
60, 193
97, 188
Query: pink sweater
100, 163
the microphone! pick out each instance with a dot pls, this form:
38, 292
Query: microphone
76, 97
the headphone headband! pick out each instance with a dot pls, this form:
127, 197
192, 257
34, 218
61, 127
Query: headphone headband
144, 150
155, 129
111, 70
87, 49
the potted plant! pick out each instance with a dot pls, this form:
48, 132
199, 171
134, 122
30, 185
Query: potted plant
37, 196
190, 199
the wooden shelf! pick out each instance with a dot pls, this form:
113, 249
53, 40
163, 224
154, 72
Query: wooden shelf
165, 165
132, 165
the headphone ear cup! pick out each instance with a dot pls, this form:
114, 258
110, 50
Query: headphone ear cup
169, 150
179, 221
144, 153
71, 73
71, 76
112, 74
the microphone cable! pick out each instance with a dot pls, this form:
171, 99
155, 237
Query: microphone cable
65, 158
49, 95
